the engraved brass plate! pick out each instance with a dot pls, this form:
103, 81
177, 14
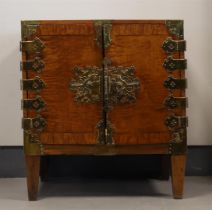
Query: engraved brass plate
86, 84
176, 121
38, 123
36, 65
123, 84
172, 102
172, 83
34, 46
170, 45
171, 64
37, 104
35, 84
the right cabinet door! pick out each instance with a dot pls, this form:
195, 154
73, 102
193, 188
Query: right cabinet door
140, 118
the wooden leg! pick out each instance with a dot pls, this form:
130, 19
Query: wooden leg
178, 163
33, 170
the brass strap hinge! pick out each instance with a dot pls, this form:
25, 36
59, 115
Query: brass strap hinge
38, 123
171, 64
170, 45
176, 121
172, 83
35, 84
34, 46
37, 103
36, 65
172, 102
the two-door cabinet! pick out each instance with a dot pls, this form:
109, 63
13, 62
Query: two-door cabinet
104, 87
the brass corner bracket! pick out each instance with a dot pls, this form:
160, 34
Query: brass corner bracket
28, 28
32, 145
175, 28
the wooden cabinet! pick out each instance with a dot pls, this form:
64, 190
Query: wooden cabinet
104, 87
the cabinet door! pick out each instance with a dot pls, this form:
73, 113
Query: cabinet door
138, 44
70, 51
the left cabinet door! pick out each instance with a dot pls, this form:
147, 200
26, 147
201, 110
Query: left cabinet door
71, 71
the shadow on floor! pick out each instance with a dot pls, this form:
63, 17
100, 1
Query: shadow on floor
101, 187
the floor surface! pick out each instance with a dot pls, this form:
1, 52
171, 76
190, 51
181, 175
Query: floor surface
106, 194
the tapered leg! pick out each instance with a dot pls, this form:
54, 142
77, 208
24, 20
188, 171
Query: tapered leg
178, 163
33, 170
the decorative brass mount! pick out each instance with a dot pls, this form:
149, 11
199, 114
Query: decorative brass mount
176, 121
120, 84
36, 65
110, 84
86, 84
172, 83
28, 28
175, 28
37, 104
34, 46
36, 84
171, 64
172, 102
170, 45
38, 123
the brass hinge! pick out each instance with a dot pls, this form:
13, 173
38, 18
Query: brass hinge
178, 143
170, 45
172, 83
35, 84
175, 28
36, 65
176, 121
172, 102
38, 123
171, 64
106, 34
34, 46
103, 29
37, 103
28, 28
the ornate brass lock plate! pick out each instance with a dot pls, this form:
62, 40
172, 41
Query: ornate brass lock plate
86, 84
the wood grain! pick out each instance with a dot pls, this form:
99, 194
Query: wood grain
139, 44
33, 170
178, 163
67, 44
